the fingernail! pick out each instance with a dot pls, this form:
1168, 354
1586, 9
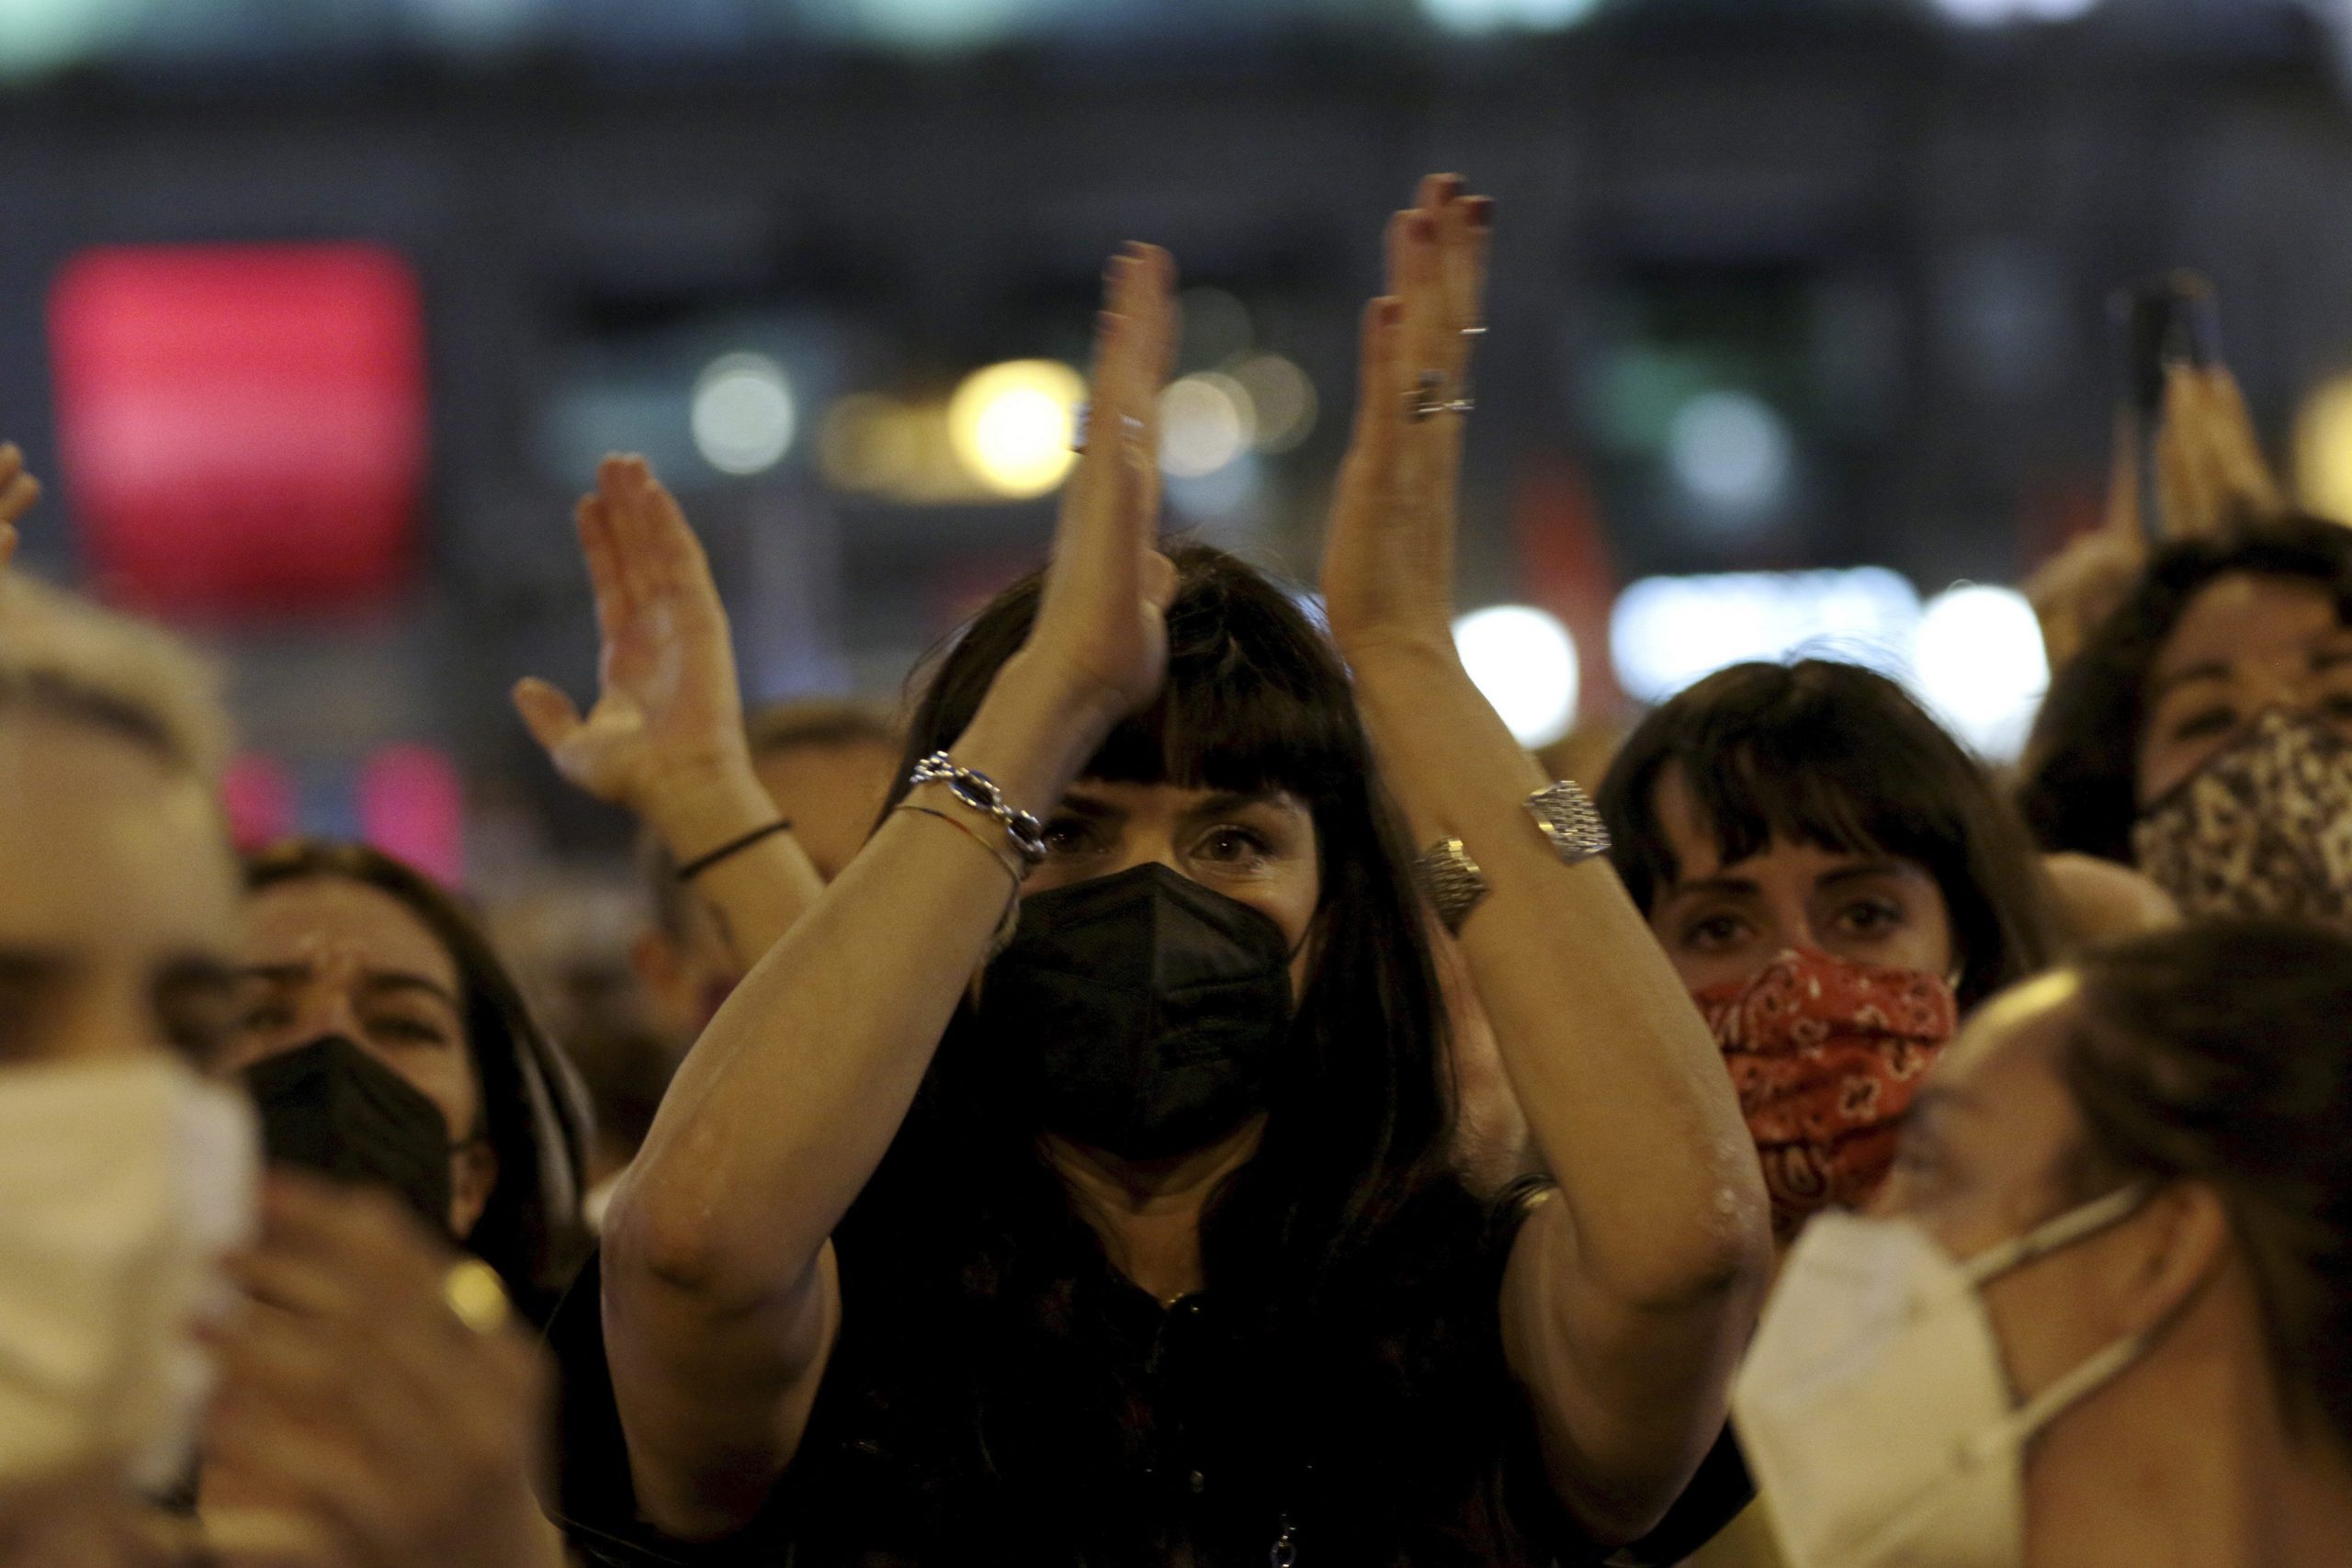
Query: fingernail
1421, 228
1392, 311
1451, 184
1480, 210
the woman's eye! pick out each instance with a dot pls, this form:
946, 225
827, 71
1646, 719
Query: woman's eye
1871, 917
1232, 845
408, 1030
1716, 934
1069, 835
2203, 724
265, 1015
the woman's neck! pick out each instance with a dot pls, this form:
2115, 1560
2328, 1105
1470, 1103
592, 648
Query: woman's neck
1148, 1214
2185, 1462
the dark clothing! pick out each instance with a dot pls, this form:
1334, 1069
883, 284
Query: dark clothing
1096, 1429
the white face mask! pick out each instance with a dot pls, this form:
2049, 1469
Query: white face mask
1874, 1407
121, 1185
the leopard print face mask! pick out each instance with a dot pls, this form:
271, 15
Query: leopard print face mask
2265, 828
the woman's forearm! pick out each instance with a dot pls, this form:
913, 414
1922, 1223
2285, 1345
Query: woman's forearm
782, 1110
1623, 1089
755, 894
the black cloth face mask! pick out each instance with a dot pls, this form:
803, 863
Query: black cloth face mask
329, 1106
1144, 1009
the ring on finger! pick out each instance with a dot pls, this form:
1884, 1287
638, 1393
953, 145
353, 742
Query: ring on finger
472, 1293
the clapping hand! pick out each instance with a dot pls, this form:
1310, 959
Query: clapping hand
667, 711
1388, 564
1099, 637
362, 1421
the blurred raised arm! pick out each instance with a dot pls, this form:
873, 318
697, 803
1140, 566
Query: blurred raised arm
665, 738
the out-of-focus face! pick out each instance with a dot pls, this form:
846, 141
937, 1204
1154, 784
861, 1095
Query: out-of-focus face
1259, 850
831, 793
119, 927
329, 956
2245, 645
1985, 1156
1721, 923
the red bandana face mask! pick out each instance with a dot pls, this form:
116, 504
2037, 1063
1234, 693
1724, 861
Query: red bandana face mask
1827, 1056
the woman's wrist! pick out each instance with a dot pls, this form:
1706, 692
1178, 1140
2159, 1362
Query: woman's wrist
694, 812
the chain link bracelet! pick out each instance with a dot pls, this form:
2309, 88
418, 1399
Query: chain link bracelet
980, 792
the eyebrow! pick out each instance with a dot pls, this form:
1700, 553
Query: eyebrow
1743, 885
374, 981
2211, 669
1217, 805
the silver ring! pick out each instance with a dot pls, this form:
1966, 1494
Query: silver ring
1479, 331
1078, 418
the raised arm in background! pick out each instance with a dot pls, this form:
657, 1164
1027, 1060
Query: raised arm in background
1630, 1294
720, 1302
665, 739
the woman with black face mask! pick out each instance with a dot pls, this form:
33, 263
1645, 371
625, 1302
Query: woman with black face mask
1075, 1187
386, 1045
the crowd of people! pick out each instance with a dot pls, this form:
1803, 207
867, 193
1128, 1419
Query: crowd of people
1197, 1093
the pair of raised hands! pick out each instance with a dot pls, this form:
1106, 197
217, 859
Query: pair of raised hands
668, 713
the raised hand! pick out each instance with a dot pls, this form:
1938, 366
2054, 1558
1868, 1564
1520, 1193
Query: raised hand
2209, 467
1388, 563
668, 714
1100, 634
19, 492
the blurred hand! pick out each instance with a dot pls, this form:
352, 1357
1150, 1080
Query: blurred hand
2210, 472
1099, 637
1388, 563
360, 1423
2209, 467
19, 492
669, 713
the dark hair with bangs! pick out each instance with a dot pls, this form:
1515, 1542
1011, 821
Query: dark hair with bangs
2081, 789
1338, 1250
533, 1112
1835, 755
1258, 699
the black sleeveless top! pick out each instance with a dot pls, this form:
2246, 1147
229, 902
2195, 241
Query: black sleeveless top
1095, 1429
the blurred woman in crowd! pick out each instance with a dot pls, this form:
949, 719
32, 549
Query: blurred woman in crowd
2204, 733
2102, 1313
383, 1036
358, 1418
1146, 1247
1837, 882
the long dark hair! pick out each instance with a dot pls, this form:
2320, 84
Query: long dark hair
2217, 1054
1832, 754
2081, 784
533, 1111
1324, 1243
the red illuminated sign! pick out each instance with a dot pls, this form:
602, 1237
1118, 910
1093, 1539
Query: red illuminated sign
243, 427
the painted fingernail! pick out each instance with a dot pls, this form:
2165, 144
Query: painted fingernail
1480, 210
1422, 228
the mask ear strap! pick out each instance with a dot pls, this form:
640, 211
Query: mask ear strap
2072, 1226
